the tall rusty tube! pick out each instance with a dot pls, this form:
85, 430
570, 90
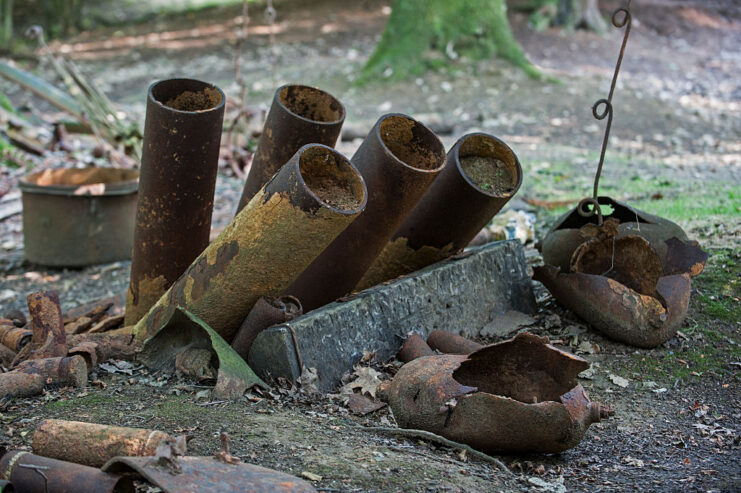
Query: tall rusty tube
182, 134
313, 197
398, 159
481, 175
299, 115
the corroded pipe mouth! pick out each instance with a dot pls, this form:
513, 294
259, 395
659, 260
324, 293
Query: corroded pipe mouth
310, 104
410, 143
488, 165
331, 179
187, 95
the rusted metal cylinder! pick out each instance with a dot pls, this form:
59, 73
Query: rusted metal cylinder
314, 196
414, 347
481, 175
31, 473
266, 312
7, 356
13, 337
299, 115
398, 159
49, 338
449, 343
57, 371
117, 344
93, 444
19, 384
180, 153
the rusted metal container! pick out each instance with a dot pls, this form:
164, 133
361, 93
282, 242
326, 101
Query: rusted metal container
481, 175
299, 115
266, 312
31, 473
414, 347
449, 343
518, 395
78, 217
314, 196
93, 444
398, 159
180, 152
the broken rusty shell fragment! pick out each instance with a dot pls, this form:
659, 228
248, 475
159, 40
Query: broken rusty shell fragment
93, 444
114, 344
518, 395
414, 347
49, 339
61, 371
7, 356
399, 159
12, 337
31, 473
180, 152
481, 175
284, 227
201, 474
266, 312
617, 311
564, 237
299, 115
449, 343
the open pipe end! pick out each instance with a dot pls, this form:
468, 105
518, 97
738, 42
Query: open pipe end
332, 180
489, 165
187, 95
311, 104
411, 143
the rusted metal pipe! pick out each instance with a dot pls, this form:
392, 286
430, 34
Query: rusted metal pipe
414, 347
266, 312
13, 337
93, 444
398, 159
284, 227
299, 115
31, 473
449, 343
57, 371
182, 135
18, 384
481, 175
49, 339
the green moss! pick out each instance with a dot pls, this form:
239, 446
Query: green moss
88, 401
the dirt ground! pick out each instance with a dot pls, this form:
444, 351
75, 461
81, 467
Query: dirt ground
675, 150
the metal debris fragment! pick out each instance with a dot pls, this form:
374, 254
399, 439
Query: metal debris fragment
266, 312
449, 343
414, 347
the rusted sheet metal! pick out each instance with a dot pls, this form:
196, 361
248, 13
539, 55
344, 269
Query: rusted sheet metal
299, 115
180, 152
399, 159
564, 237
480, 176
414, 347
616, 310
78, 217
449, 343
93, 444
18, 384
49, 339
266, 312
283, 228
684, 256
31, 473
59, 371
114, 344
13, 337
89, 351
519, 395
201, 474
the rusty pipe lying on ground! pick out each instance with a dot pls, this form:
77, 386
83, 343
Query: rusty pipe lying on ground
93, 444
31, 473
19, 384
180, 152
398, 159
449, 343
481, 175
284, 227
12, 337
60, 371
299, 115
266, 312
518, 395
414, 347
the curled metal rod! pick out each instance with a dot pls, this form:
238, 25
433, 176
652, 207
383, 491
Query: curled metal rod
602, 109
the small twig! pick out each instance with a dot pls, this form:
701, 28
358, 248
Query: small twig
427, 435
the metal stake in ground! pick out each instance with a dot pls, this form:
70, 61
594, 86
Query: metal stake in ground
180, 155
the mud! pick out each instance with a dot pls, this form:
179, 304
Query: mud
490, 174
195, 100
311, 104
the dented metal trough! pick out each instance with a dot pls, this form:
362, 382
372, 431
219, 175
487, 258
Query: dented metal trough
518, 395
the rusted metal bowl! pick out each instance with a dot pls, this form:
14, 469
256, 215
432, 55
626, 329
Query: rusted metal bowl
518, 395
79, 217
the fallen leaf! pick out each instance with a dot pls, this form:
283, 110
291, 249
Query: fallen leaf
367, 380
361, 405
619, 381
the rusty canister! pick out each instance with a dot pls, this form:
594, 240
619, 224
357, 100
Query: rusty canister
78, 217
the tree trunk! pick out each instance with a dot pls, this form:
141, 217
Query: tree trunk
580, 13
421, 33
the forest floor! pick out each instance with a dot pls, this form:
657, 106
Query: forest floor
675, 151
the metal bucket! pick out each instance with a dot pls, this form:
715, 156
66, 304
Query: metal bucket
79, 217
